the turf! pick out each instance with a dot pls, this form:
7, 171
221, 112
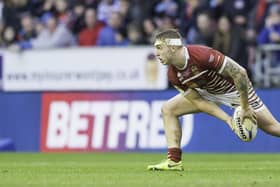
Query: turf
129, 170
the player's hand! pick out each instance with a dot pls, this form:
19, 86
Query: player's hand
248, 113
229, 121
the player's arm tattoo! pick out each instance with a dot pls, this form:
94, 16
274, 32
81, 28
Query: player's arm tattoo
240, 78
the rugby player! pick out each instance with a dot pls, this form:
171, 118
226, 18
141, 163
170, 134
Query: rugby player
206, 78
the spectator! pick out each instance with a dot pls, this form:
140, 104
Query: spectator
47, 7
216, 7
86, 3
149, 16
38, 26
189, 12
11, 14
125, 11
270, 34
271, 31
202, 33
239, 11
141, 10
27, 31
8, 37
231, 41
61, 9
167, 16
88, 36
167, 7
165, 22
112, 34
76, 23
2, 28
53, 35
105, 8
134, 35
149, 28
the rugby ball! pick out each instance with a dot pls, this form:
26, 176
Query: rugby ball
246, 131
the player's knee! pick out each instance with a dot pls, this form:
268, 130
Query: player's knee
166, 109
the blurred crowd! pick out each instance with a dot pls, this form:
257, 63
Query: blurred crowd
235, 27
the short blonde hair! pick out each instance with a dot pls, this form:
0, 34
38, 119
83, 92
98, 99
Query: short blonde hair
170, 33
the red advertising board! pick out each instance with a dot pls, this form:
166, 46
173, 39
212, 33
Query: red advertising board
104, 122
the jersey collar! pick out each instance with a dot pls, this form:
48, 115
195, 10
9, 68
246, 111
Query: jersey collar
187, 55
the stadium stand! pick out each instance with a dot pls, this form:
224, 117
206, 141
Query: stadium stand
29, 24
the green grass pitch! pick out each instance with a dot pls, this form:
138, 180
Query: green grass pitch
129, 170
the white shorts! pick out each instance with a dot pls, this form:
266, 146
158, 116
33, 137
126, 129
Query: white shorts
231, 99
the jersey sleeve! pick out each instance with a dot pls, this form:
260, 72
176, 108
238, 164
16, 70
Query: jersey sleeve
208, 58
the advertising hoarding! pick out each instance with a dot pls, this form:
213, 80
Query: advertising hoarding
105, 122
83, 70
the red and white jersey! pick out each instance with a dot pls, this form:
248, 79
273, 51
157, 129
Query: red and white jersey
202, 72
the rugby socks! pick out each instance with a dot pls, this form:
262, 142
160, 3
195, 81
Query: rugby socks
174, 154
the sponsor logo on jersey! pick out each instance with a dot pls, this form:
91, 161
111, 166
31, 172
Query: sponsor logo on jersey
194, 69
211, 58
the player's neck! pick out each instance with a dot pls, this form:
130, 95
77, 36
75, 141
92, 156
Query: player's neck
179, 60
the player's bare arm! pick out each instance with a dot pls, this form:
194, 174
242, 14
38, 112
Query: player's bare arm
240, 78
208, 107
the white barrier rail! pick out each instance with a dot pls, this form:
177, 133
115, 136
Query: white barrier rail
265, 72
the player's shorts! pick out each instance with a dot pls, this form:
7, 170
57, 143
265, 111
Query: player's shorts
232, 99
